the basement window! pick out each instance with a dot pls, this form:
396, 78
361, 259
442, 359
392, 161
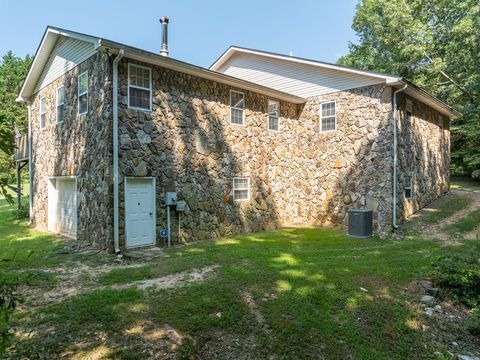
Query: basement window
328, 117
408, 187
241, 189
139, 87
83, 93
237, 106
60, 103
43, 116
273, 115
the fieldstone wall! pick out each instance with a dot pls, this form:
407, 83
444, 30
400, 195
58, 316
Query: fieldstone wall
80, 146
424, 154
298, 176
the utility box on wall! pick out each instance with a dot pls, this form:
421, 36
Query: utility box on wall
360, 223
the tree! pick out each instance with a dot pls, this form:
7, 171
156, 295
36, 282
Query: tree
434, 43
13, 71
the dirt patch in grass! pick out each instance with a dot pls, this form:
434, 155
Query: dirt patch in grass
436, 229
80, 279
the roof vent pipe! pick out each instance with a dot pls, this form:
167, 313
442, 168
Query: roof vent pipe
164, 21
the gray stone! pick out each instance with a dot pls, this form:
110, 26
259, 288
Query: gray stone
427, 299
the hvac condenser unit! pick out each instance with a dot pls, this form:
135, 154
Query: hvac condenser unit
360, 223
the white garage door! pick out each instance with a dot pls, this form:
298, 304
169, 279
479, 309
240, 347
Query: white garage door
63, 206
140, 211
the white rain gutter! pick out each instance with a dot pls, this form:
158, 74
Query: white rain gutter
116, 242
30, 190
394, 125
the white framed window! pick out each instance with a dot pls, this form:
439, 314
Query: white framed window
273, 115
139, 87
237, 107
241, 188
408, 187
43, 113
60, 103
83, 93
328, 116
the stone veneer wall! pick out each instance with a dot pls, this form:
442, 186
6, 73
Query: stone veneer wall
424, 154
298, 176
80, 146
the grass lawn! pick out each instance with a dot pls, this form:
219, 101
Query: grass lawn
290, 294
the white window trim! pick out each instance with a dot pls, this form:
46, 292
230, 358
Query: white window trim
321, 117
42, 113
247, 188
233, 107
139, 87
409, 186
78, 93
268, 116
57, 104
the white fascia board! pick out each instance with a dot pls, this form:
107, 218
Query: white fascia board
42, 54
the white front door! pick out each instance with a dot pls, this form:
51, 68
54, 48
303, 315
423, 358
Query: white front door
139, 211
62, 206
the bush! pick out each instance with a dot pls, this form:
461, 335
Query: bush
476, 175
8, 303
458, 276
22, 213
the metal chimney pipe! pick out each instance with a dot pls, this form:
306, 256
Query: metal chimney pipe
164, 21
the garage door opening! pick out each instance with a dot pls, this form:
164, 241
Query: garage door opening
62, 206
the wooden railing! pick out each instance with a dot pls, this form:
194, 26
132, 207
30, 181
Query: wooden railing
21, 150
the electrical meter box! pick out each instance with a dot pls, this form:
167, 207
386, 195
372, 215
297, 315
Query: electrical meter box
181, 205
170, 198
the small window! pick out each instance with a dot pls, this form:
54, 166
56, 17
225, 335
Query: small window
273, 115
241, 190
237, 106
43, 110
440, 122
83, 93
60, 103
408, 187
328, 118
139, 87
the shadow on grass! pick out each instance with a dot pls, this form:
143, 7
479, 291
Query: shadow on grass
305, 283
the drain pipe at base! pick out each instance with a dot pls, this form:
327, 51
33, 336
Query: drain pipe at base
394, 124
116, 242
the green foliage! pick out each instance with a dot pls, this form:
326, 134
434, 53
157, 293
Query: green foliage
434, 43
8, 303
476, 175
12, 74
22, 213
459, 275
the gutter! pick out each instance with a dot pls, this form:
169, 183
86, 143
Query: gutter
116, 242
30, 190
394, 180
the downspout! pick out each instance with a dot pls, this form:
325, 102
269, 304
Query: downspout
30, 190
116, 242
394, 125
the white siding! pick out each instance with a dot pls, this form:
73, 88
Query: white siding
298, 79
66, 54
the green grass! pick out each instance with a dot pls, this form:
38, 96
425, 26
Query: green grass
465, 224
305, 283
446, 209
464, 184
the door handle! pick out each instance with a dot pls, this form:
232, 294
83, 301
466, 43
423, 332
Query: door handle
150, 214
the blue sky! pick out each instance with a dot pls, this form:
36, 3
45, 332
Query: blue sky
199, 30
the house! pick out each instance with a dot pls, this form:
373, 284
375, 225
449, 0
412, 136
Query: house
258, 141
